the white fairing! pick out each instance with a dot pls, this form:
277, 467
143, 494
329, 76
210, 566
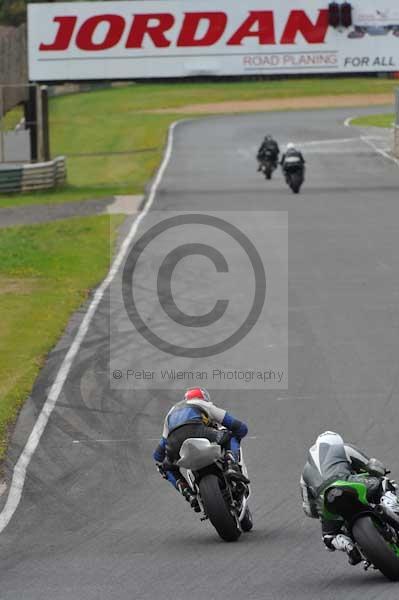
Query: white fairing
242, 464
331, 439
197, 453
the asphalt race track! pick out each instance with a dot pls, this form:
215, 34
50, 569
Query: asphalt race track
97, 523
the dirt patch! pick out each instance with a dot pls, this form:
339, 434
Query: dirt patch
18, 286
282, 104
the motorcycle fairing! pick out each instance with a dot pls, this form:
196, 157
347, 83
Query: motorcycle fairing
198, 453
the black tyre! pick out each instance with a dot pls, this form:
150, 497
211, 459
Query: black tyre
295, 183
217, 510
268, 173
375, 548
247, 522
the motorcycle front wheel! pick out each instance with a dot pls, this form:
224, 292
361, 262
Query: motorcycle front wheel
216, 508
375, 548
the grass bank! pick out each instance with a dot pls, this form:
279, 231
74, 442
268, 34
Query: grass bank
46, 272
114, 145
386, 120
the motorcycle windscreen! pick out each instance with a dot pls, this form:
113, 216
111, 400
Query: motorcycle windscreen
197, 453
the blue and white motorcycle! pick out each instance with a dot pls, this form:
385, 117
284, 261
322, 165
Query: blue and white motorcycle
224, 501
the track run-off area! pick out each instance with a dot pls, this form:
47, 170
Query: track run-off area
90, 517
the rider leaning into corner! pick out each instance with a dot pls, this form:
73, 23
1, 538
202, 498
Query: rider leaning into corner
197, 417
269, 144
291, 152
329, 459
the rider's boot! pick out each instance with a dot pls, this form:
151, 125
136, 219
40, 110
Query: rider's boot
233, 469
188, 494
344, 544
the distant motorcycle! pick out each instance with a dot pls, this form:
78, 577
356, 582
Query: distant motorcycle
268, 163
223, 501
294, 173
375, 533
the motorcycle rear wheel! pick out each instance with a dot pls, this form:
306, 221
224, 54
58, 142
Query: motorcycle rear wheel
268, 172
295, 183
376, 548
217, 509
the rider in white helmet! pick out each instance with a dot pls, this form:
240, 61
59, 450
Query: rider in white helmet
329, 459
290, 152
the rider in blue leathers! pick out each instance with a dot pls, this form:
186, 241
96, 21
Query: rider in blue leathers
197, 416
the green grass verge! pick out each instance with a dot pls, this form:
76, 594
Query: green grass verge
113, 121
12, 118
385, 120
46, 272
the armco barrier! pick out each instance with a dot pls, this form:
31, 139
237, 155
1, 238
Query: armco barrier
38, 176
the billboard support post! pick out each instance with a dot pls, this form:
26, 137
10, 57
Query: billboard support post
2, 128
39, 121
396, 132
30, 120
45, 123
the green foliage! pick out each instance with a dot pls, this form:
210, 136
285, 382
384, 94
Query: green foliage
46, 272
13, 12
385, 120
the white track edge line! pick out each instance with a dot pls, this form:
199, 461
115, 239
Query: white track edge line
330, 141
367, 140
348, 120
20, 468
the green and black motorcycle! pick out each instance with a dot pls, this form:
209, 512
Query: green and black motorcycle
374, 532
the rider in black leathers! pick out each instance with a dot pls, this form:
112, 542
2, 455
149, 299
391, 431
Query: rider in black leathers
270, 145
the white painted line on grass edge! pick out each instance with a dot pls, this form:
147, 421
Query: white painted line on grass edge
348, 121
19, 473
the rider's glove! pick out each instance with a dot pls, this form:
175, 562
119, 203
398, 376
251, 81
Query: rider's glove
377, 468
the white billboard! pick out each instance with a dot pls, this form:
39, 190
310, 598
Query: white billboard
185, 38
